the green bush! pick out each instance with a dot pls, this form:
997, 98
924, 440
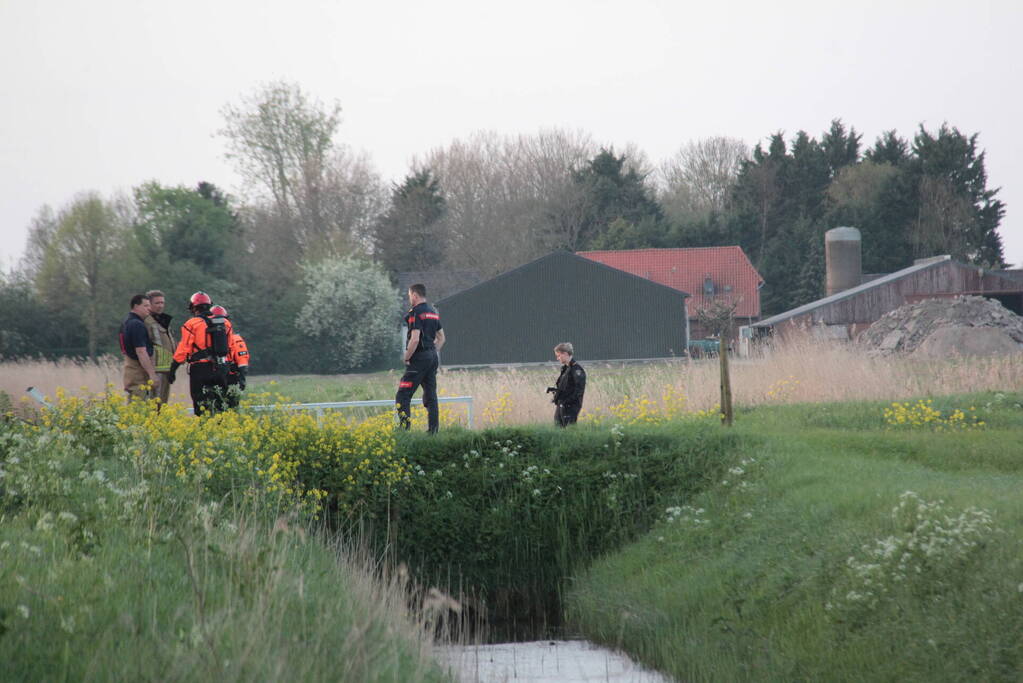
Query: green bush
509, 514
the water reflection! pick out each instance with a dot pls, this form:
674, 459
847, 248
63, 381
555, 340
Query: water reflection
561, 661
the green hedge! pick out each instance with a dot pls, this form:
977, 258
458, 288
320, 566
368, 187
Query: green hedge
507, 514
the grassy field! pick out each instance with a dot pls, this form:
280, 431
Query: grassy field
840, 549
112, 567
803, 371
846, 539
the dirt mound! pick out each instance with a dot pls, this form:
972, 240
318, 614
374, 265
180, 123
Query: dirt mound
965, 326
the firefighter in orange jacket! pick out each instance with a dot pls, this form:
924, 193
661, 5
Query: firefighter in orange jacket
204, 347
237, 361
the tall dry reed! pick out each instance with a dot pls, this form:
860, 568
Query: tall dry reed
799, 371
71, 375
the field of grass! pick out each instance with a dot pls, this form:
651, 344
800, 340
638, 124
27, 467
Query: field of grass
832, 535
841, 548
117, 564
802, 372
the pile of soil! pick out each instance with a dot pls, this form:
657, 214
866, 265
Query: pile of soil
963, 326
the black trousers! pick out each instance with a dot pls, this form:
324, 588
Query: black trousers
421, 370
565, 415
208, 387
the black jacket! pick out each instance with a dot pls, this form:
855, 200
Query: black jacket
163, 319
571, 385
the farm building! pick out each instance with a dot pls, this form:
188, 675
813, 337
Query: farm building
710, 274
518, 316
855, 301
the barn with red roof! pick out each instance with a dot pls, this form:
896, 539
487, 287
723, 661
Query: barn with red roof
708, 274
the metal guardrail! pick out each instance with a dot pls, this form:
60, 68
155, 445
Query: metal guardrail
320, 407
35, 393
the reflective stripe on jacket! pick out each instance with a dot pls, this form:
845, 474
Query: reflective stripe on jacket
163, 344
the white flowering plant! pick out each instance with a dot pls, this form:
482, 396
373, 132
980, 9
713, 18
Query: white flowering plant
929, 553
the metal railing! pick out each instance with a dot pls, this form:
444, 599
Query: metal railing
320, 407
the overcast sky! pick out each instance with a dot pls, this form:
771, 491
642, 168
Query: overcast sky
107, 94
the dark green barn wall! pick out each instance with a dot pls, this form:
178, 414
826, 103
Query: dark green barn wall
520, 315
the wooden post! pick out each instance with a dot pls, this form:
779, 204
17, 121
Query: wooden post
726, 384
718, 317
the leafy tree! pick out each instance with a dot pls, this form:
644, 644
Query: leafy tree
958, 214
877, 198
179, 224
29, 329
889, 149
613, 190
84, 263
410, 234
350, 315
840, 148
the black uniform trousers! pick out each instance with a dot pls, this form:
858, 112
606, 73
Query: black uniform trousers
421, 370
208, 387
566, 414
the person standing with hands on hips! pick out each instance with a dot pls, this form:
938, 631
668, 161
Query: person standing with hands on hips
423, 341
571, 385
139, 375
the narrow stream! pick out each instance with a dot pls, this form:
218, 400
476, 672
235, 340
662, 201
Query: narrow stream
561, 661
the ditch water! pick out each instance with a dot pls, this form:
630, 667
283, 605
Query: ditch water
561, 661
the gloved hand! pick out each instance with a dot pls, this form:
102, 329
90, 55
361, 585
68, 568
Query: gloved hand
173, 371
242, 372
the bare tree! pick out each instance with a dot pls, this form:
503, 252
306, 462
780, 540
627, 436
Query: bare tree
354, 198
282, 142
506, 196
699, 177
41, 232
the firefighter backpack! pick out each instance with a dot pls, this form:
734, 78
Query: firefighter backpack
216, 333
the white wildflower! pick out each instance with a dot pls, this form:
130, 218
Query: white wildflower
45, 522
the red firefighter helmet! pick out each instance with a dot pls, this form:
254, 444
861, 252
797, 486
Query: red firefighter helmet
200, 298
219, 310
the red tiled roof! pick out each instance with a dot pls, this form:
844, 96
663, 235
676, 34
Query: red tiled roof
687, 269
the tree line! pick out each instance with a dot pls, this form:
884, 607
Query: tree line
306, 260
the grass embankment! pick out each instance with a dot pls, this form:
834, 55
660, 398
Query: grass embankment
123, 558
502, 517
840, 549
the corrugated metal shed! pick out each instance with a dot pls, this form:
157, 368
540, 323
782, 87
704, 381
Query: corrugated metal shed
857, 308
520, 315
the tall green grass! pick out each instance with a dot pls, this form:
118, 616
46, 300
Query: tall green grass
810, 561
112, 568
503, 517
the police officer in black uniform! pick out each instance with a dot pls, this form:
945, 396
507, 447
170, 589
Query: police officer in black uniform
423, 340
571, 385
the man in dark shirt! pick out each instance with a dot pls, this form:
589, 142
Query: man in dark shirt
140, 377
571, 385
423, 340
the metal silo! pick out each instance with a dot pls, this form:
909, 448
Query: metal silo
844, 259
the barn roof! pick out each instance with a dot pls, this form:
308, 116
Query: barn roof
514, 272
687, 269
922, 264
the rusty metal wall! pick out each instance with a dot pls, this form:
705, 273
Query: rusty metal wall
945, 279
